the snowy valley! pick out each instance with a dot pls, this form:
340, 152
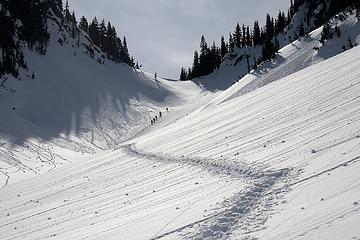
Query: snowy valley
275, 155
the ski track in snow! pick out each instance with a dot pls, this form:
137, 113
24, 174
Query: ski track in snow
218, 226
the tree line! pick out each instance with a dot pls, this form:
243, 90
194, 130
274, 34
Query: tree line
210, 58
243, 36
31, 30
102, 34
25, 21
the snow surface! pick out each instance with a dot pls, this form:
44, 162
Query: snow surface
275, 156
75, 107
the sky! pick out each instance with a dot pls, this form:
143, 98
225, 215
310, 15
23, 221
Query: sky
163, 34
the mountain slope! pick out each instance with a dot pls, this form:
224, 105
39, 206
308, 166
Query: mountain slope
235, 67
277, 163
67, 105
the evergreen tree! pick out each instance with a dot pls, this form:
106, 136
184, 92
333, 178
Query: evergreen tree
248, 37
57, 7
102, 33
269, 27
73, 25
189, 74
196, 66
67, 14
125, 52
204, 57
280, 23
223, 47
268, 50
326, 33
83, 24
256, 34
94, 31
292, 9
237, 37
183, 75
231, 43
243, 39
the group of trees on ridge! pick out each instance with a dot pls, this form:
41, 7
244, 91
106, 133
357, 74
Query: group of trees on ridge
243, 36
32, 30
210, 58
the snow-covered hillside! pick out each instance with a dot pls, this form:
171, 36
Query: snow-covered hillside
295, 53
274, 156
280, 162
66, 105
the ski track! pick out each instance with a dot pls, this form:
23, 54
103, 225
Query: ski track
235, 209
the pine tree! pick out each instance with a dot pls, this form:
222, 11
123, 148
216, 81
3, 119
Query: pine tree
83, 24
94, 31
231, 43
268, 50
237, 36
280, 22
326, 33
102, 33
243, 39
196, 66
269, 26
292, 9
57, 7
125, 52
183, 75
256, 34
67, 14
223, 47
203, 58
248, 37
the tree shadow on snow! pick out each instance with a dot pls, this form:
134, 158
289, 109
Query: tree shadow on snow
62, 100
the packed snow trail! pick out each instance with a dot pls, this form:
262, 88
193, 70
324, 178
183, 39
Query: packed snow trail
307, 122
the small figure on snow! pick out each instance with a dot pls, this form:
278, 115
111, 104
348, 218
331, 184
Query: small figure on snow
155, 75
160, 114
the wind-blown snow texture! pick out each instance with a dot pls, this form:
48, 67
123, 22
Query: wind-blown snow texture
275, 156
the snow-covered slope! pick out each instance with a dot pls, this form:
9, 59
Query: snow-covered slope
66, 105
280, 162
293, 56
275, 156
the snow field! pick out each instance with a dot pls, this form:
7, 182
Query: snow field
302, 127
276, 156
113, 196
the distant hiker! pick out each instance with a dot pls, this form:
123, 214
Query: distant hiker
160, 114
152, 122
156, 118
167, 109
155, 75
